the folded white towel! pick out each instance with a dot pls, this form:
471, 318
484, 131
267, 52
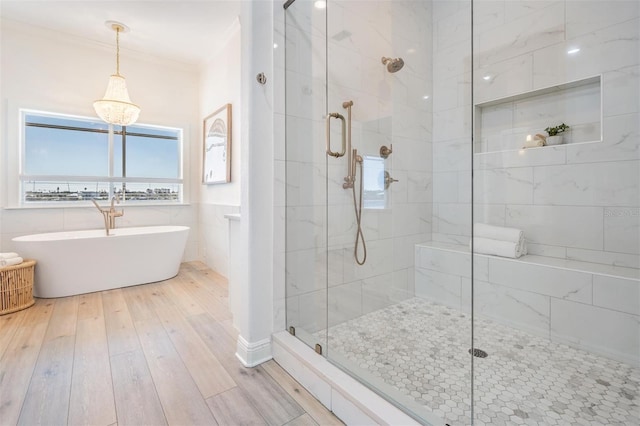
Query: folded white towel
8, 255
498, 248
500, 233
10, 262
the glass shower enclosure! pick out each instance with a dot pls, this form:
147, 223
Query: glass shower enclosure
413, 126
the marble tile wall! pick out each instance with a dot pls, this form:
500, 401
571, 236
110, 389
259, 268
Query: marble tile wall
389, 108
578, 200
567, 301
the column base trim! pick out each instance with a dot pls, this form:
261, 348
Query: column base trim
251, 354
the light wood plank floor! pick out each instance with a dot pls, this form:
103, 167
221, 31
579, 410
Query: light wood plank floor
155, 354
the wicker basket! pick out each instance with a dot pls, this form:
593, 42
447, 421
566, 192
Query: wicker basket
16, 287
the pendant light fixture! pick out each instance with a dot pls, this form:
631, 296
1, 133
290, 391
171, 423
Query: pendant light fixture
116, 107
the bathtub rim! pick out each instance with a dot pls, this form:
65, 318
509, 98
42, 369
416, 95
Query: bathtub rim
82, 234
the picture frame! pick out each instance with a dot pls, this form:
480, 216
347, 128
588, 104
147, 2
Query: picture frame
216, 146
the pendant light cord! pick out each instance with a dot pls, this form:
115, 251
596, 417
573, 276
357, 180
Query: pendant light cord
117, 51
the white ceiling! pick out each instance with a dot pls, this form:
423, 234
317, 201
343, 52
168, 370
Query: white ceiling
185, 31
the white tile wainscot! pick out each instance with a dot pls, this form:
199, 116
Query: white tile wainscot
572, 302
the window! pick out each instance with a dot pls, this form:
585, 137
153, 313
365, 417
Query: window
75, 159
375, 195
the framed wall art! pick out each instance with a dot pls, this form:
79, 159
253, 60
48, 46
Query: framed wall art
216, 167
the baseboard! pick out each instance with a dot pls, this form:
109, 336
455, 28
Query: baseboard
255, 353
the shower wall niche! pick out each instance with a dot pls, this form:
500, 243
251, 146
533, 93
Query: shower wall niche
505, 123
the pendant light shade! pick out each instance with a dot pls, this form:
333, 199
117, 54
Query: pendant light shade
116, 106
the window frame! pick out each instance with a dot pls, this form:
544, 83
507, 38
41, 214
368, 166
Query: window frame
114, 182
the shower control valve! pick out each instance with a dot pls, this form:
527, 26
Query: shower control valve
388, 180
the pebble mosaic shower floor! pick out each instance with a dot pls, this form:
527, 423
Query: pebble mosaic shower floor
420, 349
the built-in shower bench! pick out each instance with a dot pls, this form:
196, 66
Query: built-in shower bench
574, 302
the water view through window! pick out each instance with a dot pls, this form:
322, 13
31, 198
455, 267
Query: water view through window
70, 159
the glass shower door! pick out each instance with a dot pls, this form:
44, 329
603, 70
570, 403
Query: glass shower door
391, 307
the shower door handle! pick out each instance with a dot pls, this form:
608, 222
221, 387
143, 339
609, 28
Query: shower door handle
344, 135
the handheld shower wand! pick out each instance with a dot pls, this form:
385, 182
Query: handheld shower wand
353, 159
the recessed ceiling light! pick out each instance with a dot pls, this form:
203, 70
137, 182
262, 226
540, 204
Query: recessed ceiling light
425, 97
320, 4
275, 45
573, 51
487, 77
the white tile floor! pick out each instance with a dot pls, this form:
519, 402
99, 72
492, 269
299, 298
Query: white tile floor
420, 350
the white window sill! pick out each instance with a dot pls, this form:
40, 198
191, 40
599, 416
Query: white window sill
91, 206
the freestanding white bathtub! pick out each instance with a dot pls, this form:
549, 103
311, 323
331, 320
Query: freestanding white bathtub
78, 262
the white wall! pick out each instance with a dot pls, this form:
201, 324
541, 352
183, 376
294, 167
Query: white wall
219, 85
50, 71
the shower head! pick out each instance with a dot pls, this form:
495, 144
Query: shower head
393, 65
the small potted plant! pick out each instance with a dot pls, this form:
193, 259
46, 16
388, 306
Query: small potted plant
555, 134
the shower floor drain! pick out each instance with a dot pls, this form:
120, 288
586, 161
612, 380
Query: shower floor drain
479, 353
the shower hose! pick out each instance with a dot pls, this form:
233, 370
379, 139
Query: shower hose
358, 208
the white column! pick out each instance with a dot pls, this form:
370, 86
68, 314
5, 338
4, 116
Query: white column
255, 284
